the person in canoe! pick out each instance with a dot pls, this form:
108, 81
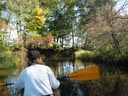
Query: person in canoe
37, 79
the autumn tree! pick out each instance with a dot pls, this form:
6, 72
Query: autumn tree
108, 23
7, 60
29, 16
60, 19
3, 22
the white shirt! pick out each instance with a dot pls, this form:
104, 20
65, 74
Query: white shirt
37, 80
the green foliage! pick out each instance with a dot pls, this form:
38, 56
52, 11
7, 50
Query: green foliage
7, 60
71, 19
2, 7
56, 46
85, 55
59, 18
106, 55
30, 14
35, 21
22, 8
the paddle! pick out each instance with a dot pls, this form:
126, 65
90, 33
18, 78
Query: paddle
2, 84
90, 73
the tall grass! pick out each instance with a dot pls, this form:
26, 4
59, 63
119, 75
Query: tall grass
84, 55
105, 56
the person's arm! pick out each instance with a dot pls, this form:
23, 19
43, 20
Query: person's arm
53, 81
19, 83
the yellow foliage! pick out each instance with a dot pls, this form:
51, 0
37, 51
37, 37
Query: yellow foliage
83, 52
39, 11
78, 53
3, 27
45, 12
38, 19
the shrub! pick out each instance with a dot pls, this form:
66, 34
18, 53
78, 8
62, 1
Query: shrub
105, 56
85, 55
7, 60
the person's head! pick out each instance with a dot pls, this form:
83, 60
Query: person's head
35, 57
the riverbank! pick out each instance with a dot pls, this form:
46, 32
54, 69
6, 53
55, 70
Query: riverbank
108, 58
6, 72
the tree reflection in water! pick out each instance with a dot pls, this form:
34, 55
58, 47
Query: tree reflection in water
89, 88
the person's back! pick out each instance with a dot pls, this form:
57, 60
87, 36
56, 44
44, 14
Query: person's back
37, 80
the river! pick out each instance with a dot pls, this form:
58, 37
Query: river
112, 80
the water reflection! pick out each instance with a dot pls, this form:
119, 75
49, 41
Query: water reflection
62, 68
65, 67
110, 77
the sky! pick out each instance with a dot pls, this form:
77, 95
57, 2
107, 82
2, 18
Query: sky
120, 4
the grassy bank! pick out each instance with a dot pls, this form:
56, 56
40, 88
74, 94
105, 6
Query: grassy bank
107, 57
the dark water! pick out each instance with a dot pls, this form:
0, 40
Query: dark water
71, 87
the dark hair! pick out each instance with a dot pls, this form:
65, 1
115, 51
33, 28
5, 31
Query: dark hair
33, 54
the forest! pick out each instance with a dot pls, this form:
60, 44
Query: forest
95, 30
70, 35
